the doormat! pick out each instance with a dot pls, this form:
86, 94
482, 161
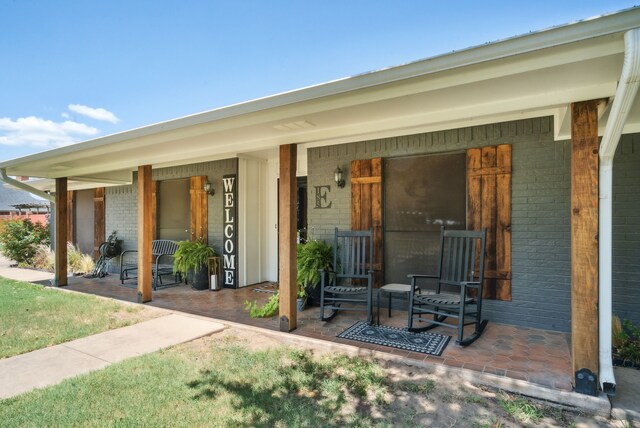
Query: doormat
425, 343
271, 288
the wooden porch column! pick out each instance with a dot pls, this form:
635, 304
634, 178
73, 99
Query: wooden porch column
62, 233
584, 236
145, 232
287, 230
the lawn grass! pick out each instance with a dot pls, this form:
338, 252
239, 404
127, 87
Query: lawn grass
239, 379
34, 317
222, 385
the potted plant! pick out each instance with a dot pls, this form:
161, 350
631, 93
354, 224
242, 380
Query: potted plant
312, 256
190, 261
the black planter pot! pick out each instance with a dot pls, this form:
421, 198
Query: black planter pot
199, 279
619, 362
313, 295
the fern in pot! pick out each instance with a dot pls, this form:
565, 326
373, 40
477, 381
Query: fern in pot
190, 261
313, 256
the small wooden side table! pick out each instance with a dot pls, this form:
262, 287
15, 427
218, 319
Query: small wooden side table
390, 289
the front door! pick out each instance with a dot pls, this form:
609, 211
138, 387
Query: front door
173, 209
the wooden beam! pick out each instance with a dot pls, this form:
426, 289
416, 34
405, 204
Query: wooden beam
145, 232
62, 233
584, 235
287, 230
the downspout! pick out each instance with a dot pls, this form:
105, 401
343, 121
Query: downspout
622, 103
22, 185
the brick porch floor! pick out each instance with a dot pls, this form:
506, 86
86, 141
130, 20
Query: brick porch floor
538, 356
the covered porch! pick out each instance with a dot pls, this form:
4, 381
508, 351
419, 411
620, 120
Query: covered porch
483, 97
541, 357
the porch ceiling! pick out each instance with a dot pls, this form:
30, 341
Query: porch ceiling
533, 75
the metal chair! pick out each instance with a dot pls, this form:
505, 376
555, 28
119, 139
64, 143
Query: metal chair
352, 281
460, 270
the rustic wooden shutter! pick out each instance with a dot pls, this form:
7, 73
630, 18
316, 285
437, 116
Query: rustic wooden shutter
199, 225
71, 216
489, 207
366, 206
154, 209
98, 218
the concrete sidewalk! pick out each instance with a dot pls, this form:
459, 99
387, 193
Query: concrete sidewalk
52, 365
28, 275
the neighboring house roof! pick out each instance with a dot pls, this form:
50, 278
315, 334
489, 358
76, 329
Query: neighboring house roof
10, 197
533, 75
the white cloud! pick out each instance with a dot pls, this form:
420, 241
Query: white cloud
94, 113
65, 115
37, 132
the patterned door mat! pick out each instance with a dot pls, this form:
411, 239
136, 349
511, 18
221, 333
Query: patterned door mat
270, 288
425, 343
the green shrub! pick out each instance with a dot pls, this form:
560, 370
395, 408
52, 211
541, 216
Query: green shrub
20, 239
626, 341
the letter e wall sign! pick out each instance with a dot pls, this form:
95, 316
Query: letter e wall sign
230, 231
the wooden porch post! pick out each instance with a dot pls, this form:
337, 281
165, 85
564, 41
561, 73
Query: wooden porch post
145, 233
287, 229
584, 237
60, 277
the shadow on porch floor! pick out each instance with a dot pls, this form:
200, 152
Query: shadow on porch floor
538, 356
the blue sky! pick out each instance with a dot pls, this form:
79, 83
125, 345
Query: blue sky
74, 70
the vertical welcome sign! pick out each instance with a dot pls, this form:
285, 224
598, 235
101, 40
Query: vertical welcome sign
229, 253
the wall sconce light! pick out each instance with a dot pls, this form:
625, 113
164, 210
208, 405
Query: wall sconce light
208, 187
337, 176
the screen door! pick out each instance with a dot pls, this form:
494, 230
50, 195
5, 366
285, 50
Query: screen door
422, 193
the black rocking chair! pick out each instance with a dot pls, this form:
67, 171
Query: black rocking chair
352, 281
460, 269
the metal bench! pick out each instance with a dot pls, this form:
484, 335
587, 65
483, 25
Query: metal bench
162, 251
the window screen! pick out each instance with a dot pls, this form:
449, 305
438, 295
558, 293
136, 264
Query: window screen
422, 193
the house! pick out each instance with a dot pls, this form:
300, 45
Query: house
16, 204
536, 138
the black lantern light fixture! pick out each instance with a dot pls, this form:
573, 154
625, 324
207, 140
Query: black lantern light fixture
337, 176
208, 188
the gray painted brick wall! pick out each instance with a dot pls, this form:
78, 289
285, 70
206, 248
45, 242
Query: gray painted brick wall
121, 202
541, 270
626, 229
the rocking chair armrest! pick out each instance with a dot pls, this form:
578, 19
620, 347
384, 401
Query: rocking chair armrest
418, 275
471, 284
